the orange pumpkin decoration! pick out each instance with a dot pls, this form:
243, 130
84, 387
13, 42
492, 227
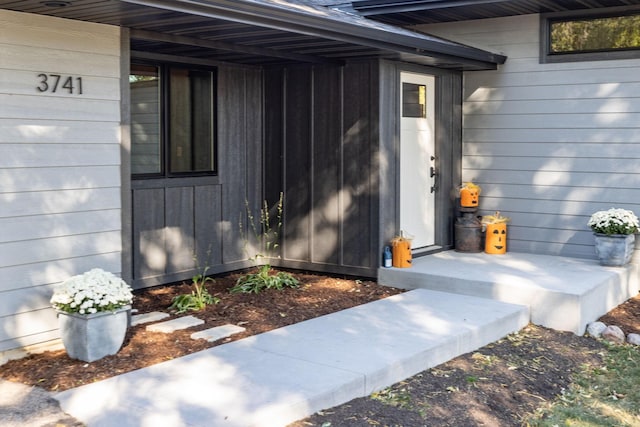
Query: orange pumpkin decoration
496, 238
469, 197
401, 249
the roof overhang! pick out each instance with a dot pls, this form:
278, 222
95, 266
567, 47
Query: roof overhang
262, 32
411, 12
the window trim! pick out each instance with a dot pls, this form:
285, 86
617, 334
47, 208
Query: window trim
164, 114
545, 36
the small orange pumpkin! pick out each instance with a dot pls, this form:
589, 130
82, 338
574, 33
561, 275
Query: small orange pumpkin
469, 197
496, 238
401, 252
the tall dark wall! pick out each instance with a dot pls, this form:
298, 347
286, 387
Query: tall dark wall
320, 149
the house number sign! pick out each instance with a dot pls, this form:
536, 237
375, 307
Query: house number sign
54, 83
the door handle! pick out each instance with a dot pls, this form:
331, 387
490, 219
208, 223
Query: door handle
435, 175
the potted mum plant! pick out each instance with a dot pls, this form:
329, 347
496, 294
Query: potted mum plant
93, 314
614, 231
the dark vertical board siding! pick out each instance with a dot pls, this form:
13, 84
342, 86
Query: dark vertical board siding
389, 128
148, 227
179, 234
358, 173
273, 154
208, 225
298, 167
449, 152
232, 126
327, 130
273, 134
254, 136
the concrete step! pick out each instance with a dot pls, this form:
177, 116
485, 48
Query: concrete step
287, 374
562, 293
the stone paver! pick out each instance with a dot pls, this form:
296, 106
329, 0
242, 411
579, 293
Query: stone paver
175, 324
219, 332
154, 316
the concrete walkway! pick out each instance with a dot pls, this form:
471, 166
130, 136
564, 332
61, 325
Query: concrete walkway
287, 374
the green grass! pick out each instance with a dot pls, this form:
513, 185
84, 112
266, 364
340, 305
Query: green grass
606, 396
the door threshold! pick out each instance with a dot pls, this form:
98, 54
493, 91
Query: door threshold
427, 250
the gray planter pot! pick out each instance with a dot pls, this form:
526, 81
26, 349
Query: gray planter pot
615, 249
90, 337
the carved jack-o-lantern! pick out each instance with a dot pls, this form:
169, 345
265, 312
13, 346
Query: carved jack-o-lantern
401, 257
496, 238
469, 197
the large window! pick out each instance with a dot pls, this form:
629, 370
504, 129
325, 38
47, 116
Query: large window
590, 37
172, 121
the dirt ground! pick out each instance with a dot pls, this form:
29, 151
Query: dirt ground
496, 385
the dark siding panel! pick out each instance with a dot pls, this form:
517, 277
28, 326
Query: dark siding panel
208, 225
274, 134
253, 134
358, 173
179, 234
388, 172
298, 166
233, 171
327, 140
449, 152
148, 229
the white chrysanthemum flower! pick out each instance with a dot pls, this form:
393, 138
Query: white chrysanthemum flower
614, 221
92, 292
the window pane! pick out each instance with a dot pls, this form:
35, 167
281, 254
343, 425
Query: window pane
144, 83
595, 35
414, 100
191, 127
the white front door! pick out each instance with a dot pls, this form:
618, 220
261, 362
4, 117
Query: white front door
417, 158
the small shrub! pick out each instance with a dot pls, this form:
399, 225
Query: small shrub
263, 279
198, 299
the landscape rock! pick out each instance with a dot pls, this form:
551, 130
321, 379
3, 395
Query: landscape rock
633, 339
613, 334
595, 329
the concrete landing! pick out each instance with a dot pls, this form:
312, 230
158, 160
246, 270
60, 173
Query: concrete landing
562, 293
287, 374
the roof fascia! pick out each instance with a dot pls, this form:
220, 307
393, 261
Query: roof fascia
326, 23
381, 7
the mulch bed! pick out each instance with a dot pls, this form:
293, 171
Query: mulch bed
496, 385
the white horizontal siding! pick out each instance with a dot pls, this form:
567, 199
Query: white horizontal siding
22, 228
58, 155
60, 197
553, 135
55, 271
37, 59
49, 107
548, 143
61, 201
32, 327
48, 131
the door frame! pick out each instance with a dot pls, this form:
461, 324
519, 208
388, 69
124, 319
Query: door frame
418, 172
448, 149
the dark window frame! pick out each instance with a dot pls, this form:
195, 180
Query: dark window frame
546, 19
165, 119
